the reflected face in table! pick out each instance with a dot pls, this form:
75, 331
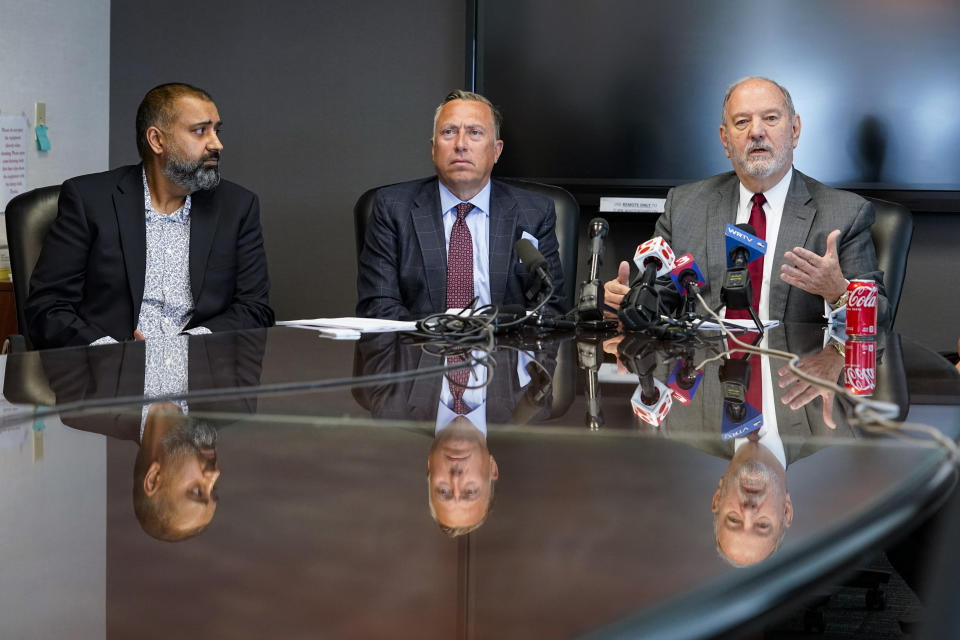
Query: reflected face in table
752, 508
460, 476
178, 462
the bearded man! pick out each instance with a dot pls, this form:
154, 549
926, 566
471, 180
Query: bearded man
818, 238
155, 249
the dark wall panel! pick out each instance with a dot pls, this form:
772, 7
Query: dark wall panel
320, 101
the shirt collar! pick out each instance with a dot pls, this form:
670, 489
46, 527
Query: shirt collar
776, 196
481, 201
180, 216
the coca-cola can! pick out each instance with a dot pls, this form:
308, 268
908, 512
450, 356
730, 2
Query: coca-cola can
862, 308
860, 367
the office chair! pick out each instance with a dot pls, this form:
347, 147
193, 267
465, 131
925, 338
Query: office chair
29, 216
892, 232
568, 227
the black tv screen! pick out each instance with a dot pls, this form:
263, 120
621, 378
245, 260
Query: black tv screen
629, 91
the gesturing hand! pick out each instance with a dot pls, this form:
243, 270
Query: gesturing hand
820, 275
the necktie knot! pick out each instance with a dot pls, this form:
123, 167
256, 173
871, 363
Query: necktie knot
465, 207
759, 199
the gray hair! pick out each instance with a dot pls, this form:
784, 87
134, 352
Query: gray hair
733, 87
460, 94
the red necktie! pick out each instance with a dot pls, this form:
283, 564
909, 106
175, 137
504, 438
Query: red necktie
460, 261
758, 220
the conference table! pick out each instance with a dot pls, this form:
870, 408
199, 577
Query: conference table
601, 523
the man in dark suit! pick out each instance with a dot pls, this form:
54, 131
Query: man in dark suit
153, 249
818, 238
436, 243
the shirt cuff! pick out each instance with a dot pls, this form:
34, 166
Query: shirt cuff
103, 340
198, 331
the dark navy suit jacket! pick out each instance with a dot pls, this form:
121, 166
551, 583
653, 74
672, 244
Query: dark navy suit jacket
403, 264
89, 279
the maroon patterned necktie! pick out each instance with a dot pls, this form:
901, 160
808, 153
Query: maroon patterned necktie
458, 381
758, 220
460, 261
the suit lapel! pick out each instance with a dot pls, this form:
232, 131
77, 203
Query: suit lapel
798, 215
721, 211
503, 224
427, 221
128, 206
425, 391
204, 214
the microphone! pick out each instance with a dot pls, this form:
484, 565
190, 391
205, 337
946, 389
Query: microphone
597, 232
535, 395
739, 416
589, 358
684, 380
688, 279
590, 300
651, 401
540, 282
686, 273
743, 247
640, 308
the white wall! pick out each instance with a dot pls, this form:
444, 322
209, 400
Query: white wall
58, 52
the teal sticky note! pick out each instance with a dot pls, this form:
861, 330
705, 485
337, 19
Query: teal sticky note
43, 142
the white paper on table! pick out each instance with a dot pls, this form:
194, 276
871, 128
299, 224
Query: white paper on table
745, 323
359, 325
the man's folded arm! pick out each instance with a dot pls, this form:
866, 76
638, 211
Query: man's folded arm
57, 282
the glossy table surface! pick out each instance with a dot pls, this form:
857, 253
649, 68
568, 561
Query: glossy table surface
322, 526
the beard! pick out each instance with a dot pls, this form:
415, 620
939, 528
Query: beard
753, 480
193, 176
189, 438
764, 167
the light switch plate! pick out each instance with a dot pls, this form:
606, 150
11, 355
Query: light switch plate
40, 114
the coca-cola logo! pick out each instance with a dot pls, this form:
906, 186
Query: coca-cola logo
862, 297
861, 377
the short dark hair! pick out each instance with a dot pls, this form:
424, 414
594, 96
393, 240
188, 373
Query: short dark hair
156, 110
460, 94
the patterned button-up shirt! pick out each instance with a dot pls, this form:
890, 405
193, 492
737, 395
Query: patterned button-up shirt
167, 304
167, 300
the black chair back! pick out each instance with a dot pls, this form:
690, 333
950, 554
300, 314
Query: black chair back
892, 233
29, 216
568, 227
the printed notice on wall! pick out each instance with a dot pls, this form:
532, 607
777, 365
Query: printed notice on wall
13, 157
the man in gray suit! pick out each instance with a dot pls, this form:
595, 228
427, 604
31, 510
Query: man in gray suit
437, 243
818, 238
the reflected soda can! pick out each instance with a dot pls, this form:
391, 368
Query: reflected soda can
862, 308
860, 367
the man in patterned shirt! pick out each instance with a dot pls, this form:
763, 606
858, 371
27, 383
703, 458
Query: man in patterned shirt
160, 248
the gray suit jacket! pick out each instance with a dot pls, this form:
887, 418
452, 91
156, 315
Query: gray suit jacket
695, 216
403, 264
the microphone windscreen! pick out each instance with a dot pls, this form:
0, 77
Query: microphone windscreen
599, 228
743, 226
529, 256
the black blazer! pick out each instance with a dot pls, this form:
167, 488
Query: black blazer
221, 361
89, 279
403, 264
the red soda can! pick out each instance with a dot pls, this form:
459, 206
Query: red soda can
862, 308
860, 367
